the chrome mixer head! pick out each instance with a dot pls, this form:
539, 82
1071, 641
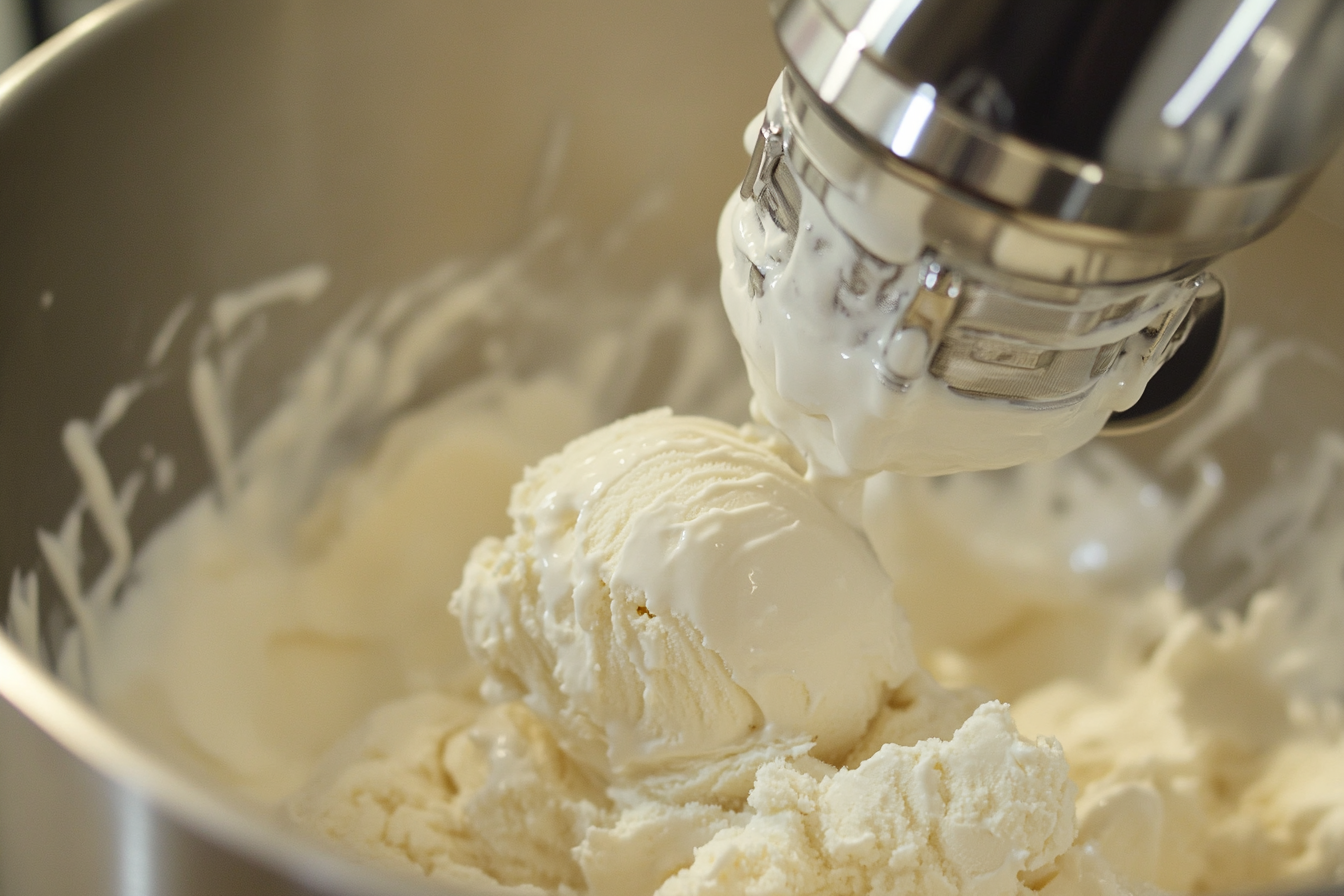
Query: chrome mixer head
1036, 188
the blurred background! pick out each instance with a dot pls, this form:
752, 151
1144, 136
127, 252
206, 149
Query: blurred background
24, 23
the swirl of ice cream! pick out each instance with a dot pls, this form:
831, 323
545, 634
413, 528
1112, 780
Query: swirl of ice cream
672, 589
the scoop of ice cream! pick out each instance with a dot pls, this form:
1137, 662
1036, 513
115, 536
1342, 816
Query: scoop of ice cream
672, 589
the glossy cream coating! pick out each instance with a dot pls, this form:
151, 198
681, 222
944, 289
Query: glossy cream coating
672, 589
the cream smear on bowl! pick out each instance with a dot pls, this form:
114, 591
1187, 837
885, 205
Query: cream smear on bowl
297, 593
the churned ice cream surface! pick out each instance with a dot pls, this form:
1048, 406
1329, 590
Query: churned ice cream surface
657, 726
975, 814
456, 791
673, 667
1193, 770
690, 656
672, 590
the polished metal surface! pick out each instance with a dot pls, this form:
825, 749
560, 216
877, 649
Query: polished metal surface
1090, 153
165, 150
1021, 316
1179, 230
1123, 115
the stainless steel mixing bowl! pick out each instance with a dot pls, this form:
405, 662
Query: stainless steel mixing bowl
161, 149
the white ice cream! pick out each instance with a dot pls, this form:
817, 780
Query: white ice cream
1192, 740
672, 590
659, 714
706, 686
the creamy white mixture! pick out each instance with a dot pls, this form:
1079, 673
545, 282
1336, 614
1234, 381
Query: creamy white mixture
642, 702
673, 591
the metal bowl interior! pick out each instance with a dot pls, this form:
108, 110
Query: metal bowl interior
168, 149
164, 149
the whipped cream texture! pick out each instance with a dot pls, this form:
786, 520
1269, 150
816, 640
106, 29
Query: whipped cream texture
675, 667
